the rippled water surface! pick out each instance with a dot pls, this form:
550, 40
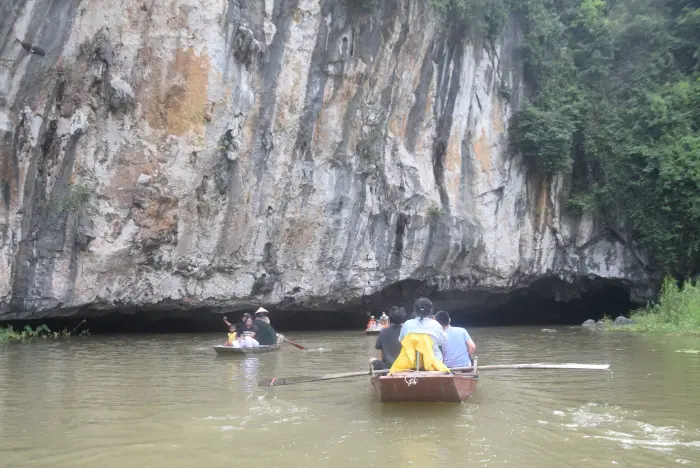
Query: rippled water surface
169, 401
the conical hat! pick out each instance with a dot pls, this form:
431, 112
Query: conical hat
262, 310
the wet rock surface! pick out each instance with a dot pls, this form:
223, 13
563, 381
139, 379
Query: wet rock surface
298, 154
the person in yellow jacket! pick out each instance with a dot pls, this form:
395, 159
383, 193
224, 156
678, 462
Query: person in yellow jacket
423, 335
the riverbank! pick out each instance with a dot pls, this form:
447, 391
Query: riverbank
8, 334
676, 312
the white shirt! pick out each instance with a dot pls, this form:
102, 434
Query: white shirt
427, 326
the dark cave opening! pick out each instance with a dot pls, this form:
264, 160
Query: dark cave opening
541, 303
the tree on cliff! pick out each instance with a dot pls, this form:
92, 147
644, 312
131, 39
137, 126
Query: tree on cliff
616, 105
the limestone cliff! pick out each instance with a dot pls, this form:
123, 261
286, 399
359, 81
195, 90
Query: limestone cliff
296, 153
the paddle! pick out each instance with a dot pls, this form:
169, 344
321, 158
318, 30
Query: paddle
293, 343
278, 381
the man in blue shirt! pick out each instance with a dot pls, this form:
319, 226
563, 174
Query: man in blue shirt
460, 347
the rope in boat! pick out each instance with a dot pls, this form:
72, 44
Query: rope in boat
410, 381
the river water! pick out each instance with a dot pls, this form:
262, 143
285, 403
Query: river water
169, 401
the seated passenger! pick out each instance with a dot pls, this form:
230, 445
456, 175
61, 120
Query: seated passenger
372, 324
424, 336
249, 327
460, 347
388, 342
232, 332
383, 321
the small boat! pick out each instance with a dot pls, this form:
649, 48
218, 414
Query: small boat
372, 332
224, 350
425, 386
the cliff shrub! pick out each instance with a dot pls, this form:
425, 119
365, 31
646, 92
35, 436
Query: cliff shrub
485, 18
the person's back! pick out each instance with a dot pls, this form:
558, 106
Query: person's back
424, 324
388, 339
457, 351
265, 335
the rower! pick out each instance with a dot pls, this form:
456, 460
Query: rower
388, 342
460, 346
262, 314
266, 335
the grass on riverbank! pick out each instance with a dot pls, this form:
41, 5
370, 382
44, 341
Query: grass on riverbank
42, 331
677, 311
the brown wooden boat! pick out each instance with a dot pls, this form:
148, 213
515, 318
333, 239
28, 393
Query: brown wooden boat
426, 386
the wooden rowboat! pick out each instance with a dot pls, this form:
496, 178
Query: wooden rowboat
424, 386
372, 332
223, 350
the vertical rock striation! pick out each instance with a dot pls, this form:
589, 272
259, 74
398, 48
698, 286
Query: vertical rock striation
299, 153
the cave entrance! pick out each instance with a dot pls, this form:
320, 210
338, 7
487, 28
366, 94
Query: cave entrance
540, 303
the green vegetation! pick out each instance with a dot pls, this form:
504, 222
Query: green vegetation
435, 212
78, 200
42, 331
485, 18
615, 104
677, 311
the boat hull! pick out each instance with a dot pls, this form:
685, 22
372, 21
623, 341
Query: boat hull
372, 332
424, 387
224, 350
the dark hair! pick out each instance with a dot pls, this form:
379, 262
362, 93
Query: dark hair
423, 307
239, 329
397, 315
443, 318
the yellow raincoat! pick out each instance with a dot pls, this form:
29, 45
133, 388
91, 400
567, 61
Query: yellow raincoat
423, 343
231, 338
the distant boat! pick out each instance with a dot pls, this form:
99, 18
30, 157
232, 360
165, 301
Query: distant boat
372, 332
223, 350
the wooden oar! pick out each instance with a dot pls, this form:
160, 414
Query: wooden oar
279, 381
274, 382
294, 344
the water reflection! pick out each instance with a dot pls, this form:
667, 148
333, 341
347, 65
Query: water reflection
168, 400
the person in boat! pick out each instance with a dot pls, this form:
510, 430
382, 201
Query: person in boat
421, 336
384, 320
263, 315
372, 324
388, 342
232, 331
249, 327
460, 346
266, 335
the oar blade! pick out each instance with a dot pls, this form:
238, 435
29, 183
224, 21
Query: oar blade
273, 382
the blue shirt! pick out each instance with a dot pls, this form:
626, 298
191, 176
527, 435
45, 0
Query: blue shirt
427, 326
456, 351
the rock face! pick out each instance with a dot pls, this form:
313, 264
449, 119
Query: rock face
296, 153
